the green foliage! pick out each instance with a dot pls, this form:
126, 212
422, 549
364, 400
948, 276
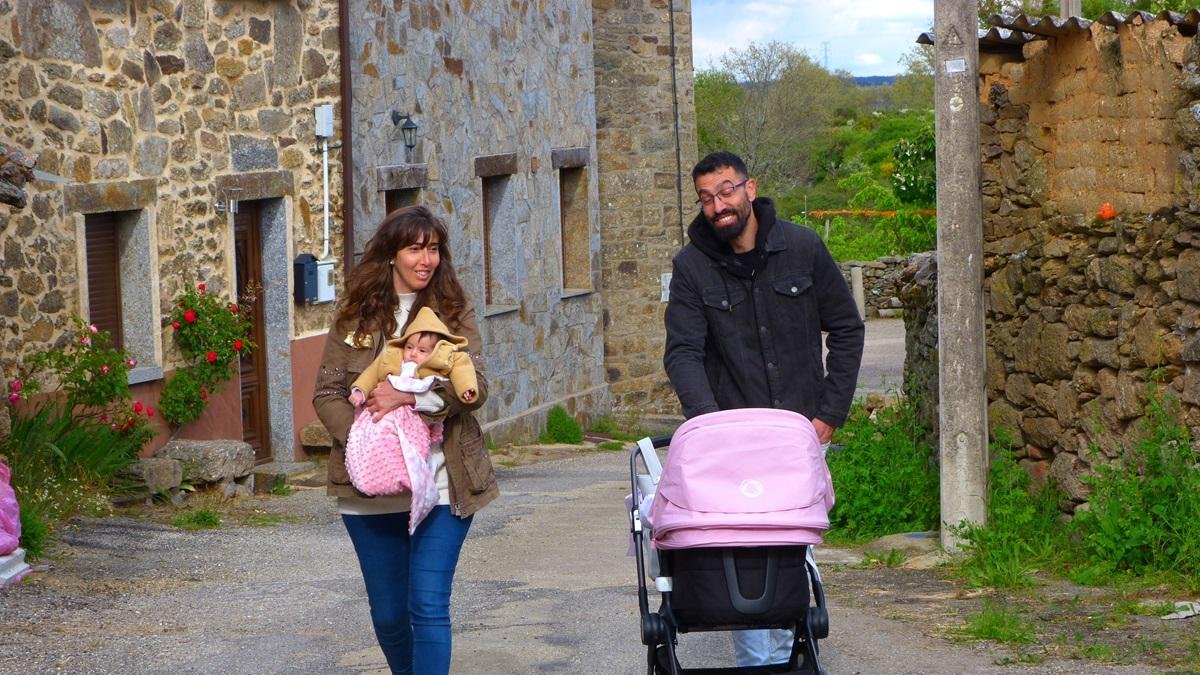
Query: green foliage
893, 558
885, 480
561, 428
915, 178
200, 519
211, 334
279, 486
1144, 518
35, 533
716, 94
65, 450
1022, 530
88, 370
1000, 624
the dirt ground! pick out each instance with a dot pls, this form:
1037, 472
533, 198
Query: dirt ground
1053, 620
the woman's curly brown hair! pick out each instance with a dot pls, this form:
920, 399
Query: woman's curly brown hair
370, 298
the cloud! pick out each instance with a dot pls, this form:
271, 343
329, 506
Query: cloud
868, 59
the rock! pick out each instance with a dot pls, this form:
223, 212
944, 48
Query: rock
211, 461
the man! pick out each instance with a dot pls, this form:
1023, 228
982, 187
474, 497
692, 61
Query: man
749, 299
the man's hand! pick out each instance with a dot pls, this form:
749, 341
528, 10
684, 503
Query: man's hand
384, 398
824, 431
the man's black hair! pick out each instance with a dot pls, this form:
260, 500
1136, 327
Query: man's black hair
715, 161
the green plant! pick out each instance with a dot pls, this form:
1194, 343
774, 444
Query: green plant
34, 533
561, 428
66, 446
211, 334
1144, 517
201, 519
893, 558
279, 486
915, 178
883, 474
1022, 530
1000, 624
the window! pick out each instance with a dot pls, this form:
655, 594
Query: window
576, 229
502, 228
499, 243
120, 285
395, 199
104, 275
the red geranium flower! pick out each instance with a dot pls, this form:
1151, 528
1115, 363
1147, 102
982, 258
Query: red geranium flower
137, 406
15, 386
201, 287
233, 307
175, 325
149, 411
237, 345
1106, 212
189, 315
211, 356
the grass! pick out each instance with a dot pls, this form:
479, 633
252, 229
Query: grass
200, 519
893, 558
883, 474
999, 623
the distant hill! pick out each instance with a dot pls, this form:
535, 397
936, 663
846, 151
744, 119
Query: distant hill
875, 80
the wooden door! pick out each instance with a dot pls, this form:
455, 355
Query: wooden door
247, 237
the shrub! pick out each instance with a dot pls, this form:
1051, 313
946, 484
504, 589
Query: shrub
34, 533
883, 474
1145, 517
65, 449
1022, 531
561, 428
211, 334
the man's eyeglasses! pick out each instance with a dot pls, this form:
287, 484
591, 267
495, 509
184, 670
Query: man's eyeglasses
724, 193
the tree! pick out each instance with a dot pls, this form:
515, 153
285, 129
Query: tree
716, 93
913, 89
786, 102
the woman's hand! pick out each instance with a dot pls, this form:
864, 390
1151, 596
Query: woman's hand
384, 398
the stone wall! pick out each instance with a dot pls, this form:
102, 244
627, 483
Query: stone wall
158, 107
1083, 313
503, 94
881, 285
642, 227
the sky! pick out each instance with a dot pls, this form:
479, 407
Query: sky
866, 37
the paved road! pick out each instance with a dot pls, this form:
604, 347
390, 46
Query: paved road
883, 357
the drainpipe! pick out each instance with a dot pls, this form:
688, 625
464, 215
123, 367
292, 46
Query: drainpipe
675, 108
347, 138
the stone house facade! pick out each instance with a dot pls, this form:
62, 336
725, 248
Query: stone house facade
1084, 311
554, 139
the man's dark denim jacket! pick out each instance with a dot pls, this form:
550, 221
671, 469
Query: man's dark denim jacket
737, 342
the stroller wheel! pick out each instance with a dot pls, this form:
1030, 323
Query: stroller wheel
818, 621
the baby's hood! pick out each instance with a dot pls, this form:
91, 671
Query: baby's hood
427, 322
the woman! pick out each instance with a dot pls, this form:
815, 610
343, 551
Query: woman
406, 266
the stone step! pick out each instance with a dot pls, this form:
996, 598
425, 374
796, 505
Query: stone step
266, 475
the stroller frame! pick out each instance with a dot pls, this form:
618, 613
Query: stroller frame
660, 628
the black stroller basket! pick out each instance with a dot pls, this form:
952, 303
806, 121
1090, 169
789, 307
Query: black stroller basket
721, 589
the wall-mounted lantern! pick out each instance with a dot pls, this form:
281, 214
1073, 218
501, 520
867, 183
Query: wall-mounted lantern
408, 129
228, 203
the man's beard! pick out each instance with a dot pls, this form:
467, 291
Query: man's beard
728, 233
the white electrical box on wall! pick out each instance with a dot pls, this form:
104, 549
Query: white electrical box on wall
325, 281
324, 121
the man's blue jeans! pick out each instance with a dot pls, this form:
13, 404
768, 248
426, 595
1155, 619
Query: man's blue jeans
408, 583
762, 646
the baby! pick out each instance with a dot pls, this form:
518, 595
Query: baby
391, 456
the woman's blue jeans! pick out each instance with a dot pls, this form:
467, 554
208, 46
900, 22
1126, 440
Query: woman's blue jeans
408, 581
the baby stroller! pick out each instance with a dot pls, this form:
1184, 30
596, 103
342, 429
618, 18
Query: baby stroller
744, 496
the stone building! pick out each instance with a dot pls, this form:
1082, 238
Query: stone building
1084, 310
553, 137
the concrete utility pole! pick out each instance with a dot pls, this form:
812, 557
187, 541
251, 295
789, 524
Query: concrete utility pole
1070, 8
962, 414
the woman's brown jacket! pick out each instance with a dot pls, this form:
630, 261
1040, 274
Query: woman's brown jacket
472, 477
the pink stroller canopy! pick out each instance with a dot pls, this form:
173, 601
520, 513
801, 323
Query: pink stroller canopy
745, 477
